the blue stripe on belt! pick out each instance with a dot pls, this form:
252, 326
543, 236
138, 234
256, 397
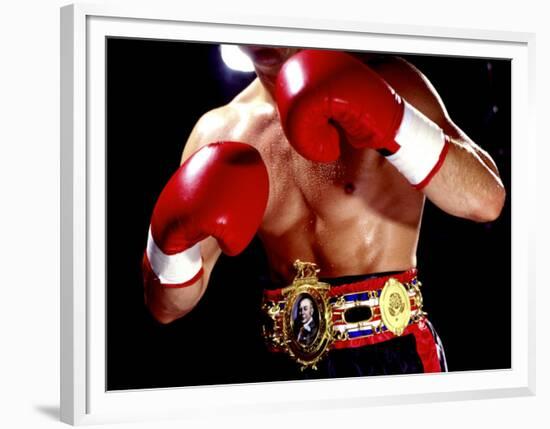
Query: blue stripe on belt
369, 331
361, 296
364, 332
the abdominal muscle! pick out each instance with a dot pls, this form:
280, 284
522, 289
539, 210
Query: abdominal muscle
355, 216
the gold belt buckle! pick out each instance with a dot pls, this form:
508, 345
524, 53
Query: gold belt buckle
303, 328
395, 306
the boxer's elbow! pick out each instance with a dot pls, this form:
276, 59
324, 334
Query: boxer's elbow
165, 316
169, 305
488, 207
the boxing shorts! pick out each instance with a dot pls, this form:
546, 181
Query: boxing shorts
349, 326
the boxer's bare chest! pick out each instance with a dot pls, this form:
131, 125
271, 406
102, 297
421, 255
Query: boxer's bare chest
355, 215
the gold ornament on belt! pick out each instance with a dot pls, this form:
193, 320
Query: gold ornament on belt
306, 317
395, 306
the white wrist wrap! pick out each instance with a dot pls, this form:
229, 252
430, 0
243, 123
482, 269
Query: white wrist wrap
421, 144
173, 269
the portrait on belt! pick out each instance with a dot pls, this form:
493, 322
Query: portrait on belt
305, 325
286, 213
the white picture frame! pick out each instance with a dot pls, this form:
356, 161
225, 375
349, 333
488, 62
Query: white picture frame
84, 399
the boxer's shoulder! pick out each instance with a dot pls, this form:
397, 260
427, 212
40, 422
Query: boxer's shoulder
397, 71
211, 127
411, 84
214, 125
381, 62
241, 119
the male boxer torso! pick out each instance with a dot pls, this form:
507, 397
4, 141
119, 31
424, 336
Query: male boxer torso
334, 172
357, 215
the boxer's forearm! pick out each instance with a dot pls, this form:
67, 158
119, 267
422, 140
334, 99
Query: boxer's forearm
169, 304
468, 184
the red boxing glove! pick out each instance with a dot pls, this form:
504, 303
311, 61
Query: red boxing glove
319, 93
220, 191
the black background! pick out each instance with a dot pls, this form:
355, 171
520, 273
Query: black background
156, 91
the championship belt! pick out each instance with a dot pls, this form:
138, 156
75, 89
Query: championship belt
308, 318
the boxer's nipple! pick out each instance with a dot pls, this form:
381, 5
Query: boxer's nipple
349, 188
